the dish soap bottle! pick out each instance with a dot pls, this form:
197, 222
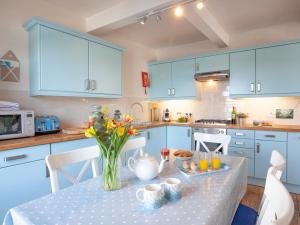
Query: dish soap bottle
233, 115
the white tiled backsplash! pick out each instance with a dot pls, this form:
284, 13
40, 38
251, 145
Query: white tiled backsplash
212, 103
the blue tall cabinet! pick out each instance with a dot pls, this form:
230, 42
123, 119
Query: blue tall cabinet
179, 137
64, 62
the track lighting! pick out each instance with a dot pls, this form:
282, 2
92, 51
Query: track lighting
158, 18
142, 20
200, 4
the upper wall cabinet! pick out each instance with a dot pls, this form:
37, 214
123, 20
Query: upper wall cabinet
172, 80
242, 73
278, 70
68, 63
212, 63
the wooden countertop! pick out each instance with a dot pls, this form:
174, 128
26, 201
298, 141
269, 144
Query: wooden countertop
59, 137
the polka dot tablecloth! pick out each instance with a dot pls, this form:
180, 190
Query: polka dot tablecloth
206, 200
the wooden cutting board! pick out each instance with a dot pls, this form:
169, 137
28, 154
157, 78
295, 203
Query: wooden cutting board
73, 131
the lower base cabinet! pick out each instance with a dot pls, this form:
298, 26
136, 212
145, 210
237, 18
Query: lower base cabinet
244, 152
22, 183
179, 137
293, 159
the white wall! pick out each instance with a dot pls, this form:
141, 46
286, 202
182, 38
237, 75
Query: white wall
72, 111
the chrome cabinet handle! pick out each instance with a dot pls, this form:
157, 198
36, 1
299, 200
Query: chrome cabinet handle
169, 91
270, 136
239, 143
148, 135
15, 157
239, 152
197, 67
257, 148
47, 171
252, 87
189, 133
258, 86
93, 85
239, 134
173, 91
87, 84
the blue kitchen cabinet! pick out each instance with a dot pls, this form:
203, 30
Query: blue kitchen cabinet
242, 73
247, 153
278, 70
105, 69
23, 177
184, 84
263, 153
212, 63
156, 140
160, 80
75, 168
64, 61
293, 159
179, 137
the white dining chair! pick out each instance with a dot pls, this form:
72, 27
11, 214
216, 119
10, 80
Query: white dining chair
56, 162
222, 139
278, 164
137, 144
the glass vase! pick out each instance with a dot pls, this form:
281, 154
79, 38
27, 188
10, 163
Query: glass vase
111, 173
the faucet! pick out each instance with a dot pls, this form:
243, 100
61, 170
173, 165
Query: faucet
139, 104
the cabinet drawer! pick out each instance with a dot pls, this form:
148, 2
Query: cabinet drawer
23, 155
72, 145
271, 135
237, 133
241, 152
242, 143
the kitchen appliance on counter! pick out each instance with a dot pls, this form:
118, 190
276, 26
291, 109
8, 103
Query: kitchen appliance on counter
166, 116
16, 124
47, 124
154, 112
219, 129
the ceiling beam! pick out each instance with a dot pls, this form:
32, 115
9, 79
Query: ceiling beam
123, 14
207, 24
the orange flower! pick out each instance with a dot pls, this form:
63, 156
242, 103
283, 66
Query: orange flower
126, 118
132, 131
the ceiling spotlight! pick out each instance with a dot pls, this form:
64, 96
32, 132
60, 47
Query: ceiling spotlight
200, 5
142, 20
178, 11
158, 18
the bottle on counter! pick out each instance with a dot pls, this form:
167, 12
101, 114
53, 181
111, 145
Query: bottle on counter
234, 115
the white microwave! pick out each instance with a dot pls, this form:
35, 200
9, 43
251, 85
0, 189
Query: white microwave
16, 124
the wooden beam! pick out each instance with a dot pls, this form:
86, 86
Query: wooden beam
123, 14
207, 24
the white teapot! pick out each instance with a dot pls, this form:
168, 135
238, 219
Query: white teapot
145, 167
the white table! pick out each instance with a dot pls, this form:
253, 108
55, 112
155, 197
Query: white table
206, 200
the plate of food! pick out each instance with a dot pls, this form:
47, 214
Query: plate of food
183, 155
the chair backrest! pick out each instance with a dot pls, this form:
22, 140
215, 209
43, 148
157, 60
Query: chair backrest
221, 139
56, 162
278, 164
137, 144
279, 209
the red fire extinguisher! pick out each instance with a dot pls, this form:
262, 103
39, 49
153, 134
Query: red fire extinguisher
145, 81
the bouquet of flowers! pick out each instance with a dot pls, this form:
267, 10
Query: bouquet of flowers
111, 135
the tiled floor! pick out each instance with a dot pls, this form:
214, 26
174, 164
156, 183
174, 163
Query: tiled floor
253, 197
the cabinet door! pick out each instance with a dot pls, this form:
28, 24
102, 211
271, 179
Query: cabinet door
179, 137
246, 153
156, 140
242, 73
293, 166
64, 61
278, 69
263, 153
75, 168
22, 183
212, 63
105, 69
183, 78
160, 80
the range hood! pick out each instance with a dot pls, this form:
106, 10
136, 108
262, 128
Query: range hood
215, 76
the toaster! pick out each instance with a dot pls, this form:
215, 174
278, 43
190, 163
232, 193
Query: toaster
47, 124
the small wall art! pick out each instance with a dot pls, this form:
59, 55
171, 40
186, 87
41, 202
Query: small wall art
284, 113
9, 67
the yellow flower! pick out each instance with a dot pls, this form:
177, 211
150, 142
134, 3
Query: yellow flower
120, 131
104, 110
126, 118
110, 125
90, 132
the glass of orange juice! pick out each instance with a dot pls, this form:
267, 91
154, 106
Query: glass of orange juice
203, 164
216, 161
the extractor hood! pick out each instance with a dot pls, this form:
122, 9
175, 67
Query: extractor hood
215, 76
